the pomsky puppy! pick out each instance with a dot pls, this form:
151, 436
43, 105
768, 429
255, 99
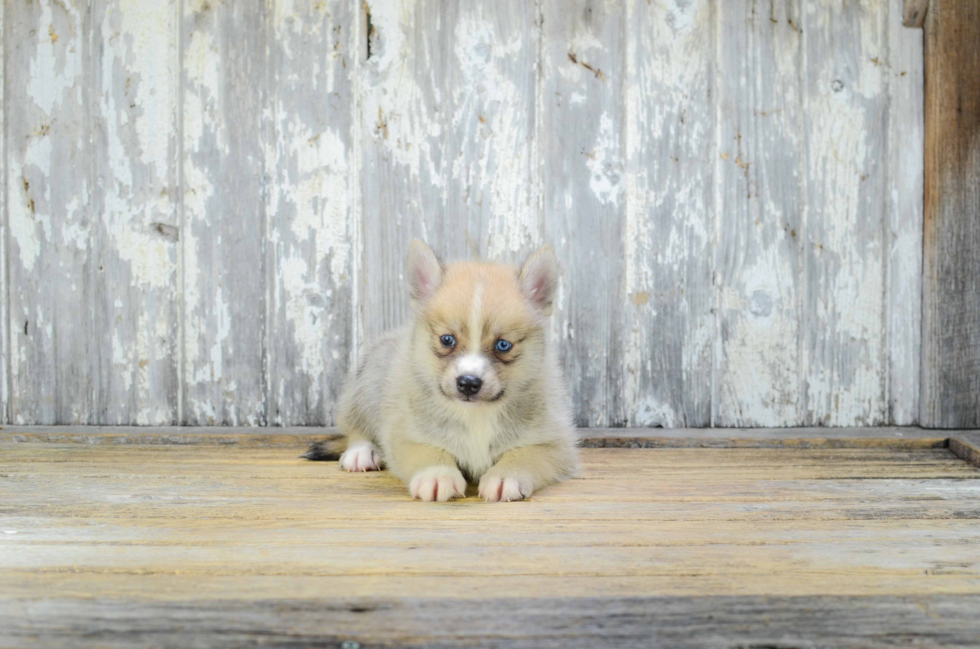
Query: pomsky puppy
467, 391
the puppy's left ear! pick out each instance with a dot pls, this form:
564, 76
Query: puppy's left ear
539, 279
424, 273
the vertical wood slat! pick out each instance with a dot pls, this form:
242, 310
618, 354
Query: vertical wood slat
447, 132
225, 87
310, 205
583, 178
844, 294
759, 262
52, 260
904, 207
4, 302
134, 89
950, 383
670, 213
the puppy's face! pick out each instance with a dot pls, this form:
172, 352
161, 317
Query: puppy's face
481, 333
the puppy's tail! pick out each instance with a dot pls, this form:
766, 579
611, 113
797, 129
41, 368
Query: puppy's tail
327, 450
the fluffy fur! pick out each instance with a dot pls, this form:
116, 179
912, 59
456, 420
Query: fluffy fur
402, 408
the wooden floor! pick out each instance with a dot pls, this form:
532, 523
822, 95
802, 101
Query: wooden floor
133, 545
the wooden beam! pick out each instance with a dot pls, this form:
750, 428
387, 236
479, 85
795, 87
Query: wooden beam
950, 384
301, 438
966, 446
914, 13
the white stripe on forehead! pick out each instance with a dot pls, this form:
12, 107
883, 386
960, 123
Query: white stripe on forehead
476, 329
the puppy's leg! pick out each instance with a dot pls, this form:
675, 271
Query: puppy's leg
521, 471
431, 473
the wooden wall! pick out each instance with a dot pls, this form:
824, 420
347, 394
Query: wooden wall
207, 203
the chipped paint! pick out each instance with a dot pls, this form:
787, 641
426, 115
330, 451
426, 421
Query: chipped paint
734, 249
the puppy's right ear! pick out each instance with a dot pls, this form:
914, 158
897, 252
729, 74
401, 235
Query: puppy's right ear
424, 273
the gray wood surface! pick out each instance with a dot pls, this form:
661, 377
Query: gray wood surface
54, 249
207, 204
310, 206
225, 70
844, 351
642, 622
950, 380
670, 214
760, 258
133, 87
582, 171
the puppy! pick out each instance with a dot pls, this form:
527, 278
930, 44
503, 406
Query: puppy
469, 390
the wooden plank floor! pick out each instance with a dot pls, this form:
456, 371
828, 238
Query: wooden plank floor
131, 545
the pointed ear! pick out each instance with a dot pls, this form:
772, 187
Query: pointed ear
539, 279
424, 272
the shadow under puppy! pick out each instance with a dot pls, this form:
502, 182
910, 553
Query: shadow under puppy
469, 389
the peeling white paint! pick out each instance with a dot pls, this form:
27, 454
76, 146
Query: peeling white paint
459, 130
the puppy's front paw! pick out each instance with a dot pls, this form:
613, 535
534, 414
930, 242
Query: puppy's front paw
437, 483
361, 456
495, 489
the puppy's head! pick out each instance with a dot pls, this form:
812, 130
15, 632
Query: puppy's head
480, 333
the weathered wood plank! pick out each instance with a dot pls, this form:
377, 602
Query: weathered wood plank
950, 395
670, 216
583, 179
55, 346
4, 244
134, 85
759, 259
567, 622
904, 233
160, 543
914, 12
966, 446
310, 205
844, 351
222, 235
448, 140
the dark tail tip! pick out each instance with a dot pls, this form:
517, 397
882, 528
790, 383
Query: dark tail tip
327, 450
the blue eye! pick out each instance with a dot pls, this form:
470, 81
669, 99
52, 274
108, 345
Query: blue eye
447, 340
503, 346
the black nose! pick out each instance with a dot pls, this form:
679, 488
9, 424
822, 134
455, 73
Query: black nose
469, 385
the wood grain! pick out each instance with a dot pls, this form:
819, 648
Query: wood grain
310, 203
207, 204
844, 348
671, 213
582, 173
4, 244
567, 622
914, 12
761, 192
224, 69
950, 381
170, 544
135, 229
53, 256
966, 446
903, 236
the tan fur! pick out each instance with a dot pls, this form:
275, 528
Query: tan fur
401, 408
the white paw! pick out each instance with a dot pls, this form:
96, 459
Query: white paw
437, 483
495, 489
361, 456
